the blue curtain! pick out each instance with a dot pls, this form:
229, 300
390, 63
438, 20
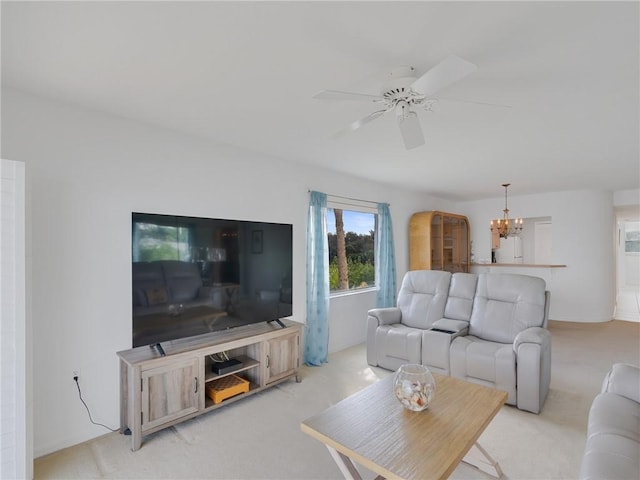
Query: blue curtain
317, 327
385, 259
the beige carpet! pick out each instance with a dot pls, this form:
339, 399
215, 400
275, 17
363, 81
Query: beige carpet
260, 437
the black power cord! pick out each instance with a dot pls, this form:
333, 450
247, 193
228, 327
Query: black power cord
75, 378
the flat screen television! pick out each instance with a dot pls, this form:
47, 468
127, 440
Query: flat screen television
192, 276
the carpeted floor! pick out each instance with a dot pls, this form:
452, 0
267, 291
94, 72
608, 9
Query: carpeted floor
260, 437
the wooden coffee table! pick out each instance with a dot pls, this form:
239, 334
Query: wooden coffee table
373, 429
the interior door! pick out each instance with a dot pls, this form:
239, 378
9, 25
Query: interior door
628, 266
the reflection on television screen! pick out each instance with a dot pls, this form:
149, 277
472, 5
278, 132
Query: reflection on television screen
197, 275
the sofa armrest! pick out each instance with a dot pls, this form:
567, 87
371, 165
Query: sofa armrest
533, 367
623, 379
375, 318
537, 335
386, 316
458, 327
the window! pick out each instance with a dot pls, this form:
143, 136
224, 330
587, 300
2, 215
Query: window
351, 236
160, 242
632, 237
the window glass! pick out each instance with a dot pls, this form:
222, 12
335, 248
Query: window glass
351, 249
632, 237
160, 242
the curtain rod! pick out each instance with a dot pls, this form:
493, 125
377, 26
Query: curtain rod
351, 198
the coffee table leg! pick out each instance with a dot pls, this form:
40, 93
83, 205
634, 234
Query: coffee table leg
345, 464
479, 458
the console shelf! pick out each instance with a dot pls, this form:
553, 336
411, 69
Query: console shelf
247, 363
159, 391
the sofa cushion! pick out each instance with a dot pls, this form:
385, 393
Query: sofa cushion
157, 296
461, 292
624, 380
422, 297
609, 456
145, 275
182, 280
506, 304
487, 363
614, 414
613, 436
397, 344
612, 448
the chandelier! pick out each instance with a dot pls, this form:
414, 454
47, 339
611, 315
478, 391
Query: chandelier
505, 226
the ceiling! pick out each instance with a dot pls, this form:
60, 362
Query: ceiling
244, 73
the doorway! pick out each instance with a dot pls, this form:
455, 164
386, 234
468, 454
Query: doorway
628, 264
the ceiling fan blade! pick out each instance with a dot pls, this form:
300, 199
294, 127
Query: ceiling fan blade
411, 130
339, 95
359, 123
450, 70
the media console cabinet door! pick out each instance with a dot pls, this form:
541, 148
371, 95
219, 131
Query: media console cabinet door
170, 392
282, 356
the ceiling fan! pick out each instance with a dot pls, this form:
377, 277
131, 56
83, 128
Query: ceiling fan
404, 90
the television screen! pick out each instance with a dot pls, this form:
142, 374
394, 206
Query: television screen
198, 275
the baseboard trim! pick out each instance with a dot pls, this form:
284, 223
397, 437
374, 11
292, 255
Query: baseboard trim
627, 316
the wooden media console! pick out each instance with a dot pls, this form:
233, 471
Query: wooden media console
159, 391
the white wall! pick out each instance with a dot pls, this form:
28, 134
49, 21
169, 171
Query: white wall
86, 173
581, 238
627, 198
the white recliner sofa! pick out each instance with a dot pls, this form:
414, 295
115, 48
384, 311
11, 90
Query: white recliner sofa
488, 329
613, 433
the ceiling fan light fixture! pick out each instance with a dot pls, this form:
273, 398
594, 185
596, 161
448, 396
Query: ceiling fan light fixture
410, 129
402, 110
402, 90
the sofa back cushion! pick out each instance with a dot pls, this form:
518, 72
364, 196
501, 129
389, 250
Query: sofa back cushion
422, 297
461, 293
505, 304
145, 276
182, 279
